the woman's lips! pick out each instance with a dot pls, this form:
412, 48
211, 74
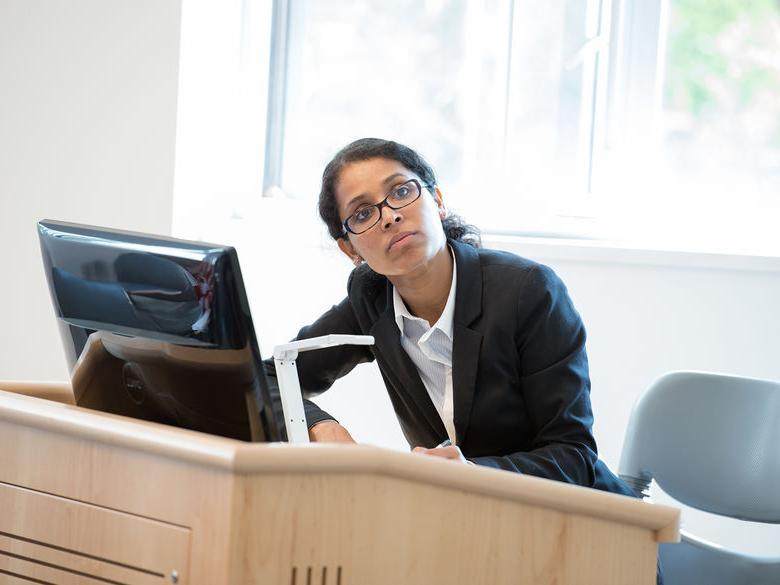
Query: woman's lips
400, 240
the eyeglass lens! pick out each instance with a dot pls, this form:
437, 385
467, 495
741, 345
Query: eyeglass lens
367, 217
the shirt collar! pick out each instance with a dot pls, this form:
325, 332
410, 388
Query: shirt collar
444, 324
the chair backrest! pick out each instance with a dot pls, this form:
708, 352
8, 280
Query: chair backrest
711, 442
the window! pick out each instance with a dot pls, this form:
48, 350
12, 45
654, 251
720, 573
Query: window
498, 95
692, 154
650, 121
719, 119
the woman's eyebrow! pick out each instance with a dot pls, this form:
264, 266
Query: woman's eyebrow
354, 200
392, 177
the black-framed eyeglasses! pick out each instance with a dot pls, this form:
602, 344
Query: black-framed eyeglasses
369, 215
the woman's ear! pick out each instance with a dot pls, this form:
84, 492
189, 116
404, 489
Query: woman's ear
439, 198
346, 247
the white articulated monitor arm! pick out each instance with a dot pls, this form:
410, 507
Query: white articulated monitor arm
289, 385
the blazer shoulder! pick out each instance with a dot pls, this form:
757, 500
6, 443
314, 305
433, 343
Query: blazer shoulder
507, 269
506, 263
490, 258
364, 282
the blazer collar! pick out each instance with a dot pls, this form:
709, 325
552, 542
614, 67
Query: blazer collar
466, 341
406, 381
465, 348
468, 295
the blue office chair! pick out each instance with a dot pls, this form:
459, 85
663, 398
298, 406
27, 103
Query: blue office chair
711, 442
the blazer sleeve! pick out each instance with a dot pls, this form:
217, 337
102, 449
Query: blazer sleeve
317, 370
555, 385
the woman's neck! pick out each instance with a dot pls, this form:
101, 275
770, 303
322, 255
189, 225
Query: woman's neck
425, 292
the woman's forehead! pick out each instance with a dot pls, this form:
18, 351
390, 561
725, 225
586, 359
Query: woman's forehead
367, 177
373, 170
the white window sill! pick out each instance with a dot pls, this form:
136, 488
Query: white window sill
550, 248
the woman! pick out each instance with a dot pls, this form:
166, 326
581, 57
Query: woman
478, 348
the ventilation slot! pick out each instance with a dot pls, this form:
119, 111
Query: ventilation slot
316, 576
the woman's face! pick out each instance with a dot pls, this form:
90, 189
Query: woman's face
404, 240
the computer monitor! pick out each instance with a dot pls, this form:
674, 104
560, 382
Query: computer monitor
158, 329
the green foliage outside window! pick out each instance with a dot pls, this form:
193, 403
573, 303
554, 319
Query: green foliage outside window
723, 67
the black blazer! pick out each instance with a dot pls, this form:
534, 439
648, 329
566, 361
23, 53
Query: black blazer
520, 372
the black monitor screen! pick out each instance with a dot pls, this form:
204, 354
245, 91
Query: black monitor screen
158, 329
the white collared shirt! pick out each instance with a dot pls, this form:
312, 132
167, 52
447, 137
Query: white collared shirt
430, 349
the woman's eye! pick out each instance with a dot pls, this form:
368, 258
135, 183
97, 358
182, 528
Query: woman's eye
363, 214
402, 192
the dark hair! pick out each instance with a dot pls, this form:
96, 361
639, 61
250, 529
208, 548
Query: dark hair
367, 148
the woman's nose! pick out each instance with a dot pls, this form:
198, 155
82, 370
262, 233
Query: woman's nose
392, 216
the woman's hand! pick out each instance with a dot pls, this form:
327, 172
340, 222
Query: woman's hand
450, 452
329, 431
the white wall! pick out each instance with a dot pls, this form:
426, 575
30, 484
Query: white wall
87, 127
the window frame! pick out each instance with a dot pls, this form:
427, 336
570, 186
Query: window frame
635, 73
621, 48
277, 97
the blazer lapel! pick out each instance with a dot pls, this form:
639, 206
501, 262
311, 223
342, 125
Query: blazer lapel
466, 342
410, 388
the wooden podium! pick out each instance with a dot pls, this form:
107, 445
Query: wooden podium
91, 498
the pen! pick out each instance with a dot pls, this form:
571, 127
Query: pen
444, 443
